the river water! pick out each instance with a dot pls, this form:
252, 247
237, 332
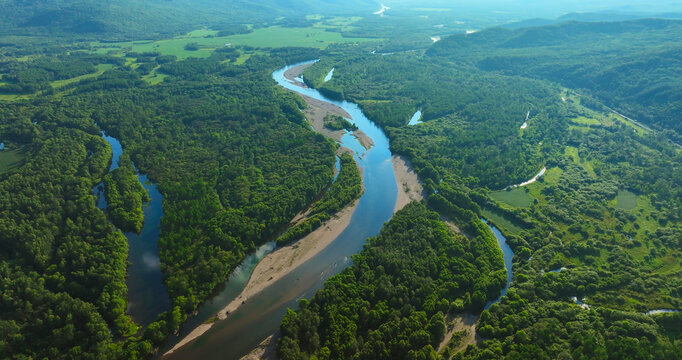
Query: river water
508, 255
147, 294
416, 118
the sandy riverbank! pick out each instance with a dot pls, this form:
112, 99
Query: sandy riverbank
317, 110
295, 72
364, 140
265, 350
283, 260
409, 187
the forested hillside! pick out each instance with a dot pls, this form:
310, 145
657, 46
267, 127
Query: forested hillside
632, 66
153, 18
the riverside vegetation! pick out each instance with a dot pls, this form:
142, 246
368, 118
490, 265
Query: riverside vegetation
125, 196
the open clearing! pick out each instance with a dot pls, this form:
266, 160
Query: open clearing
626, 200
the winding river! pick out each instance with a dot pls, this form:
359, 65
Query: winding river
260, 316
147, 294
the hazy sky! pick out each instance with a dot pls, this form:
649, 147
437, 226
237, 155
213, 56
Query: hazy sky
546, 8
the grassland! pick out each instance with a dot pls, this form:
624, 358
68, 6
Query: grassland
585, 121
501, 222
11, 159
336, 23
154, 78
207, 40
14, 97
572, 153
593, 118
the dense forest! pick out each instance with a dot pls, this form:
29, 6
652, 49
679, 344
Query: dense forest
125, 196
63, 265
480, 115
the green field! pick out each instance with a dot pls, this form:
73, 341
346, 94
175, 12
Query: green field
11, 159
274, 37
626, 200
593, 117
550, 178
517, 197
154, 77
336, 23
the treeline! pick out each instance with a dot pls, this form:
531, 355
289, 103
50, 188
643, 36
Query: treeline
633, 66
125, 196
391, 303
344, 190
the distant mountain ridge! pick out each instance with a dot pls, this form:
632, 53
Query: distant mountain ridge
130, 18
604, 16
